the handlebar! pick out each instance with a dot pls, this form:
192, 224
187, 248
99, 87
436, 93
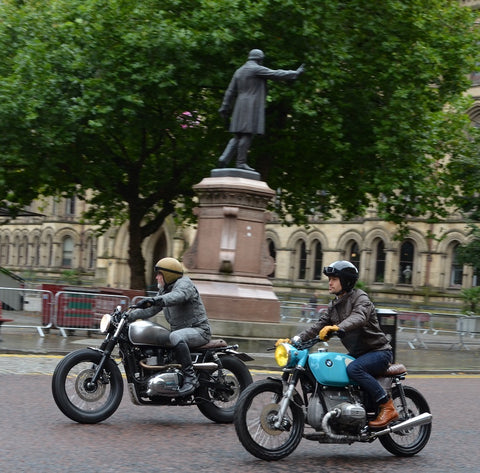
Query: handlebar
313, 341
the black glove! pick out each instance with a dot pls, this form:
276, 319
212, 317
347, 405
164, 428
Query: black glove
149, 302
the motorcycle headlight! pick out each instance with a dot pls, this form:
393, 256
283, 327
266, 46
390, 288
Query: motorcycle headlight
282, 354
105, 323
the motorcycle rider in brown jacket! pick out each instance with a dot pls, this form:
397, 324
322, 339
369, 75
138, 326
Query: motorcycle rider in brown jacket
353, 313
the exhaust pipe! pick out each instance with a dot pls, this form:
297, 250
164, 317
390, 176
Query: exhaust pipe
422, 419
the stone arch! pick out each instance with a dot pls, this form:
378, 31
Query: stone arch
60, 238
375, 264
47, 251
298, 243
272, 240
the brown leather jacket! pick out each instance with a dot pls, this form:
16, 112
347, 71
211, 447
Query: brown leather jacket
356, 315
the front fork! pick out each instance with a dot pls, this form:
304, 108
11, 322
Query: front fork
286, 398
106, 349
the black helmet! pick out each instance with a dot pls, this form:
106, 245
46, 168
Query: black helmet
345, 271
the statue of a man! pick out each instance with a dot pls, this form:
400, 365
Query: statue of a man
248, 88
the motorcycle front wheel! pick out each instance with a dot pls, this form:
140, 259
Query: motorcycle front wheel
255, 416
408, 442
74, 394
218, 393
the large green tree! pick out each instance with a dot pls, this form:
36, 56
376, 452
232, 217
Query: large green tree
93, 95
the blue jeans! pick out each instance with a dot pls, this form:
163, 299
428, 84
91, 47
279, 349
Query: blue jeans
364, 369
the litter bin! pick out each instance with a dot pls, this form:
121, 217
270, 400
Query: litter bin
388, 323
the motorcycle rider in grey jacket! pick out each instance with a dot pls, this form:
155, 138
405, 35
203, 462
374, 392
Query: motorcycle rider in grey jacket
184, 311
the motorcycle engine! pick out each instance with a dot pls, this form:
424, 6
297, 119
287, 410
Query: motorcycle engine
349, 415
165, 384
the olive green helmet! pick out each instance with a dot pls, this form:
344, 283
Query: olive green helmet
170, 268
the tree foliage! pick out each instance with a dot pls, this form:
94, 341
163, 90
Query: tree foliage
93, 95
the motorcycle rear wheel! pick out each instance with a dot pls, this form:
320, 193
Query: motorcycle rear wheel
214, 402
254, 420
76, 398
407, 443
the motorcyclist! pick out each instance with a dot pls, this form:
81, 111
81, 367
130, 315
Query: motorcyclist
354, 314
184, 311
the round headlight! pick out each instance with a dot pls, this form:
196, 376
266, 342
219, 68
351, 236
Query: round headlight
282, 354
105, 323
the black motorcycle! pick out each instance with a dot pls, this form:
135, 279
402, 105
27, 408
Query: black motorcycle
87, 384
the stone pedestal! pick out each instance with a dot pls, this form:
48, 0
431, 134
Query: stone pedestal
229, 259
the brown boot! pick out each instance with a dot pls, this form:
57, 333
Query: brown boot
387, 414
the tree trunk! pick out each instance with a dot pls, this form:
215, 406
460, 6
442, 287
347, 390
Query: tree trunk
136, 261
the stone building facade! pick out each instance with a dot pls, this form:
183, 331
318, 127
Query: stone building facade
56, 246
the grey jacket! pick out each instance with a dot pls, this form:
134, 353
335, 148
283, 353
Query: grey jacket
249, 87
183, 307
355, 314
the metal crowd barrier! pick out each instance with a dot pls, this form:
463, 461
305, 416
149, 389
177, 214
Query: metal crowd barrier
420, 328
27, 308
66, 311
83, 310
300, 312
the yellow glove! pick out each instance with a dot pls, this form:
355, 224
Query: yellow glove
327, 331
282, 340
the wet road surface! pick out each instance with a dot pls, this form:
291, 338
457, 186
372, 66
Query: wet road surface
36, 437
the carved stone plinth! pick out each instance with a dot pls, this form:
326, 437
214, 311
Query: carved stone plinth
229, 259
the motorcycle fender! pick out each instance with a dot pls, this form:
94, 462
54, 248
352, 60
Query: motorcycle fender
239, 354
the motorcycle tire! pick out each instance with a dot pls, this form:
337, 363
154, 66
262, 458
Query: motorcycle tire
256, 412
77, 400
214, 401
408, 442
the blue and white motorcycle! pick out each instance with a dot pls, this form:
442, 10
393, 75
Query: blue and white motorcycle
315, 399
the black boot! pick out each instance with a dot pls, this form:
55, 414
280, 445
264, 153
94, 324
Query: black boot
190, 381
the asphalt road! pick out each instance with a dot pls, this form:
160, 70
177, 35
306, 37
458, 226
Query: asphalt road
36, 437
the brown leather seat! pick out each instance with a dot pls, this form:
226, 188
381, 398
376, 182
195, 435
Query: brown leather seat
219, 343
395, 370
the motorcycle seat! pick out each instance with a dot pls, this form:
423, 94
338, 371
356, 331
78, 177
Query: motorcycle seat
219, 343
395, 369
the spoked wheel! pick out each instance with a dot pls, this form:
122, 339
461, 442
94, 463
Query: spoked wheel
255, 417
217, 396
408, 442
78, 398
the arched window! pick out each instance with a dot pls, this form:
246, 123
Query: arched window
380, 257
6, 250
70, 206
302, 260
91, 256
18, 247
354, 254
36, 251
49, 251
273, 253
317, 260
456, 274
405, 273
67, 252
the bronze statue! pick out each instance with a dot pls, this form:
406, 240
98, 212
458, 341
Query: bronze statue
248, 88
